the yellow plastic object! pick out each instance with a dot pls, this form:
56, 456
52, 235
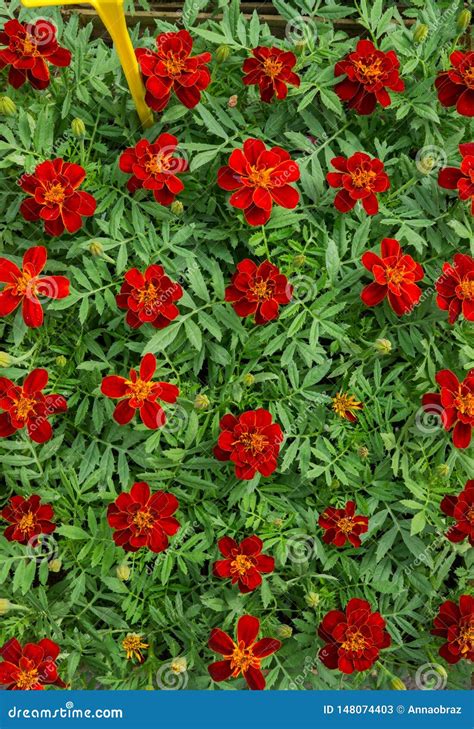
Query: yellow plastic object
113, 17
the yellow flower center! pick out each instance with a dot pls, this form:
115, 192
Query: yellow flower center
241, 564
369, 69
363, 178
55, 194
395, 275
468, 76
254, 442
262, 290
140, 390
27, 679
260, 178
174, 65
144, 519
23, 407
27, 522
354, 642
467, 289
346, 524
466, 638
148, 295
242, 658
465, 404
23, 284
342, 404
133, 645
28, 46
157, 163
272, 67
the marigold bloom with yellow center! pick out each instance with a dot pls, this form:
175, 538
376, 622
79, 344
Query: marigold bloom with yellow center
133, 645
345, 405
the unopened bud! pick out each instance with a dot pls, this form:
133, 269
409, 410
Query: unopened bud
96, 248
4, 606
299, 260
463, 20
222, 53
61, 360
232, 101
123, 572
179, 665
7, 106
5, 359
78, 127
312, 599
201, 402
249, 379
284, 631
383, 346
398, 684
443, 470
363, 452
278, 522
55, 565
421, 33
177, 207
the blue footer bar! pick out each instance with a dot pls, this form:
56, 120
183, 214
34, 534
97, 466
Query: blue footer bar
237, 709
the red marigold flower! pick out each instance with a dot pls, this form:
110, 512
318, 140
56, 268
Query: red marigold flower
29, 49
360, 178
343, 525
455, 86
27, 406
353, 637
455, 287
260, 177
455, 623
28, 518
251, 441
259, 290
143, 519
242, 656
172, 68
454, 405
153, 167
29, 667
461, 508
462, 178
369, 73
54, 196
272, 69
140, 393
395, 274
149, 297
25, 286
244, 563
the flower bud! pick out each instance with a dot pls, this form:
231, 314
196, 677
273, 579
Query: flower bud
464, 20
299, 260
312, 599
78, 127
421, 33
249, 379
55, 565
383, 346
398, 684
123, 572
5, 359
363, 452
96, 248
222, 53
179, 665
61, 360
443, 470
201, 402
177, 208
4, 606
284, 631
278, 522
232, 101
7, 106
